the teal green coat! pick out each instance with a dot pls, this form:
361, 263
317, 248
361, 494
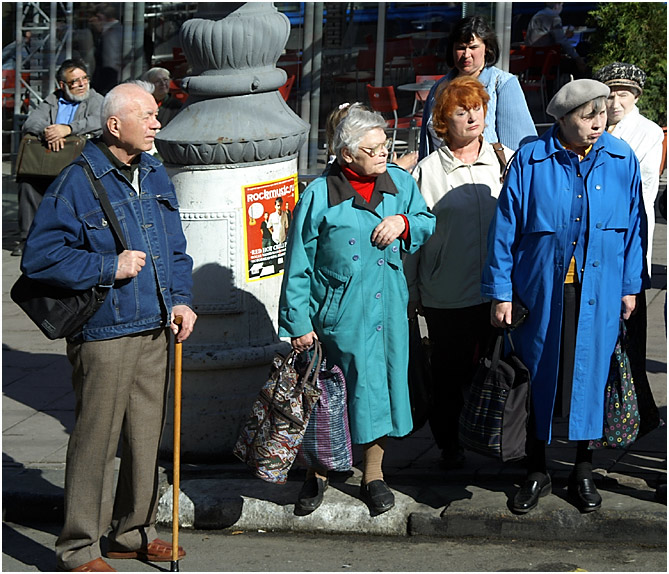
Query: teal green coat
353, 294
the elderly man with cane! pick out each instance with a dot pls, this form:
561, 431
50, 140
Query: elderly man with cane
120, 358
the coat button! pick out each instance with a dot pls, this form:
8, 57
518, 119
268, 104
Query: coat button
595, 263
379, 262
591, 302
598, 187
356, 257
599, 226
395, 248
351, 241
378, 295
379, 327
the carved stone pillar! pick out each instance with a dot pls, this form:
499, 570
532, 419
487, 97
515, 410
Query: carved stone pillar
230, 153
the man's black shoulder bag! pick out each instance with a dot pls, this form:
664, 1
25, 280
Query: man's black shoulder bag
60, 312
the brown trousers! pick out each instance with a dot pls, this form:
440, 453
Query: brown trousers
120, 387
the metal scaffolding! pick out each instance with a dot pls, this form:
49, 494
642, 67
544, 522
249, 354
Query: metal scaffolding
37, 49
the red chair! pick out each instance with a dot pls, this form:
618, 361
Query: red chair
177, 92
365, 63
397, 57
425, 65
550, 60
287, 87
383, 100
9, 88
421, 96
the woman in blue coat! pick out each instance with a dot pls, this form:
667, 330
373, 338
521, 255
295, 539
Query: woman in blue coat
566, 240
344, 284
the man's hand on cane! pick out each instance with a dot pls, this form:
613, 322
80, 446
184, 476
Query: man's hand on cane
189, 317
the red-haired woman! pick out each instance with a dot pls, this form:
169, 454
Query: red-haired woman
460, 182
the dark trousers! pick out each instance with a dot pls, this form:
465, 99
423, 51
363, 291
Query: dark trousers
459, 337
31, 193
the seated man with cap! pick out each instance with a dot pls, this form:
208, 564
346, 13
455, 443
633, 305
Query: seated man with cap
566, 240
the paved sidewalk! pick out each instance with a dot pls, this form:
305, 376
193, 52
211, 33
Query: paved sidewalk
38, 415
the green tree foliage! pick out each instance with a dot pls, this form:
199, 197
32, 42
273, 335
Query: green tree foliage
635, 33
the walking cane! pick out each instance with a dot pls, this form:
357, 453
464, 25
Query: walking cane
176, 462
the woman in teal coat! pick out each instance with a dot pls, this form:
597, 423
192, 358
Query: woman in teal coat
344, 284
566, 240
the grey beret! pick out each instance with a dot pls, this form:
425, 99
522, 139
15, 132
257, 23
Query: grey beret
574, 94
624, 75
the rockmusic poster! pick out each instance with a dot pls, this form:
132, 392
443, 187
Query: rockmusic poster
268, 208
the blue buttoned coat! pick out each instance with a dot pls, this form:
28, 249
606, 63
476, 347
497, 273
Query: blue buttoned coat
529, 253
353, 294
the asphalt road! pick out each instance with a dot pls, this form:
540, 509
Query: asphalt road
30, 549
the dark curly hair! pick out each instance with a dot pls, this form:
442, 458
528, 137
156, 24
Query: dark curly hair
464, 32
70, 65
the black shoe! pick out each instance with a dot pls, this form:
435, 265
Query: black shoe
452, 459
311, 495
530, 492
584, 493
377, 496
18, 250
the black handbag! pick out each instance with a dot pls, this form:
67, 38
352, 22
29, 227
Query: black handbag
496, 412
61, 312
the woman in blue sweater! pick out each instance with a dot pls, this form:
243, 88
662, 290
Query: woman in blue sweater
473, 51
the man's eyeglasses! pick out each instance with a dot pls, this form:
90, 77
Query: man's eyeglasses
377, 149
78, 82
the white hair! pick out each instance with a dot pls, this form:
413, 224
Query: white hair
354, 127
117, 99
151, 74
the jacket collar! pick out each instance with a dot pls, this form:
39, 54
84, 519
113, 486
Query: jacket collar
450, 163
100, 164
340, 190
549, 145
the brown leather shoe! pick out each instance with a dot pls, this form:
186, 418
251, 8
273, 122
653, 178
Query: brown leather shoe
97, 565
156, 551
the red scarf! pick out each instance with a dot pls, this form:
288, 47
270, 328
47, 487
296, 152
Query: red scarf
363, 184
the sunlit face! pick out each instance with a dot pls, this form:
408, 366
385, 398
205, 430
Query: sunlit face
363, 163
161, 86
582, 129
465, 125
138, 125
75, 85
469, 57
620, 103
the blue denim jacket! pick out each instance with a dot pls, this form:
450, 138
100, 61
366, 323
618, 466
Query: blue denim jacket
71, 244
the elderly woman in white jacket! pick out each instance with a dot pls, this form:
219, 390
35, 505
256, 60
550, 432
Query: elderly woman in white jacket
460, 183
645, 137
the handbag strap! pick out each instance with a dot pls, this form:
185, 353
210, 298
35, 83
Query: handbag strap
311, 373
101, 193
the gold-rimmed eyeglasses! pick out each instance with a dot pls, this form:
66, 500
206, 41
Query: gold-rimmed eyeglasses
78, 82
377, 149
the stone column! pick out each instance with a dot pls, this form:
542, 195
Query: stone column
230, 152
